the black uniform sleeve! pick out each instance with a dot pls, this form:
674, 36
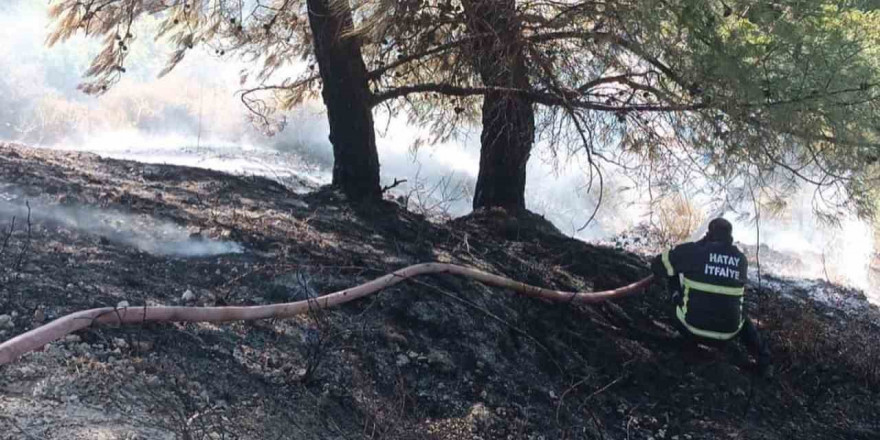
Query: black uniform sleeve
657, 267
669, 263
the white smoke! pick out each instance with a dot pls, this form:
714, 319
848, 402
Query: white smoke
144, 232
795, 243
841, 253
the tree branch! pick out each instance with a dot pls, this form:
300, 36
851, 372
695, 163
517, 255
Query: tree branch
613, 39
376, 74
534, 96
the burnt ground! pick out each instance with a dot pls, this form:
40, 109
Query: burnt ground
437, 358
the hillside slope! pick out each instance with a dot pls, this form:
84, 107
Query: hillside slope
438, 358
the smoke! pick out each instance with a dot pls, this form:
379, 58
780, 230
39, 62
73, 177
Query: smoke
560, 194
195, 105
842, 254
794, 243
192, 117
143, 232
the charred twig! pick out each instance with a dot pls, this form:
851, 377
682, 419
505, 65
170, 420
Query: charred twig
119, 315
317, 347
757, 207
565, 393
609, 385
27, 243
825, 268
8, 235
397, 182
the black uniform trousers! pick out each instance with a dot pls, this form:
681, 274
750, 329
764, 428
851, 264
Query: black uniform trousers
748, 335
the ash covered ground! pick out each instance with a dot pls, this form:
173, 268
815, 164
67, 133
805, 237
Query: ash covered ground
439, 357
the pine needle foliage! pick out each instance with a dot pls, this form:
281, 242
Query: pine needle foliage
722, 94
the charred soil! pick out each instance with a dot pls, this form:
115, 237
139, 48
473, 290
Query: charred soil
438, 357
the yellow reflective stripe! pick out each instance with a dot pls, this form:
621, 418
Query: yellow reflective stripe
705, 333
669, 269
711, 288
687, 290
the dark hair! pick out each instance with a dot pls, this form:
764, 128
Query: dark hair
720, 230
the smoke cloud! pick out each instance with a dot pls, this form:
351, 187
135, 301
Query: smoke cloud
142, 231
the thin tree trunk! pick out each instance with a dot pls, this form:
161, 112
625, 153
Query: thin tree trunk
346, 94
508, 120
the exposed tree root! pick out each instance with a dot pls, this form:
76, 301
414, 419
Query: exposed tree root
36, 338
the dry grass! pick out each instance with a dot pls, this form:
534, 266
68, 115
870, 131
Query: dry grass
677, 219
178, 103
811, 340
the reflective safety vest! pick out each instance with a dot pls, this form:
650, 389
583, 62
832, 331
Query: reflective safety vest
711, 277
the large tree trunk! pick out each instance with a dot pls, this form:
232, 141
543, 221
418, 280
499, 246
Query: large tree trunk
346, 94
508, 119
505, 145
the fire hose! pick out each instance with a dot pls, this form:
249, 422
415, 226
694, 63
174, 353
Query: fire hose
57, 329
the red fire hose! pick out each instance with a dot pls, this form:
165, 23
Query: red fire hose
57, 329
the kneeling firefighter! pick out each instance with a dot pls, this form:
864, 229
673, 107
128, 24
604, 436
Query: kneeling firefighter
707, 279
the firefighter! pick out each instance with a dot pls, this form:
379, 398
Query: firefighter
707, 279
